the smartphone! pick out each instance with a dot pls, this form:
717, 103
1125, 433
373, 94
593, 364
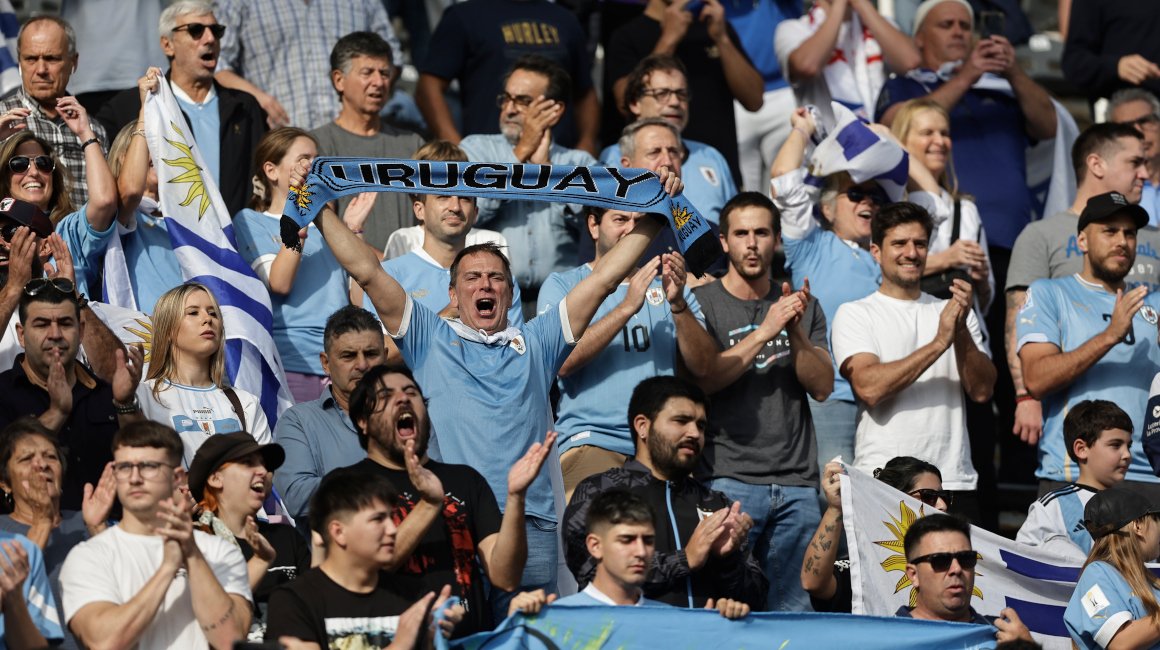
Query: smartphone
695, 7
992, 23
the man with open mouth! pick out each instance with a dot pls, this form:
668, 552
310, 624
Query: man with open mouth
488, 381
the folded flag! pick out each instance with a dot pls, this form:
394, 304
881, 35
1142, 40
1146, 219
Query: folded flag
853, 148
638, 190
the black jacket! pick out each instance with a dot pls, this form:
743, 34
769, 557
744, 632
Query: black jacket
737, 575
1100, 33
243, 123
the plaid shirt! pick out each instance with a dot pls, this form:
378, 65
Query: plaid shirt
66, 143
283, 47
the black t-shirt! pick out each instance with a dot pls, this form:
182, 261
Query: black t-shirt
711, 106
842, 602
447, 554
292, 559
479, 39
315, 608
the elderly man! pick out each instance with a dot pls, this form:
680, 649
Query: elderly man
1139, 108
319, 436
541, 236
659, 87
939, 556
226, 123
361, 64
46, 48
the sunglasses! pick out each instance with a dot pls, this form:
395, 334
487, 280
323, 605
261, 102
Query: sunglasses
941, 562
876, 194
40, 285
20, 164
931, 497
8, 231
196, 30
522, 101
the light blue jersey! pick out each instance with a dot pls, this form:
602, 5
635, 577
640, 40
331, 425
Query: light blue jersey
206, 123
87, 247
153, 266
37, 593
488, 402
320, 289
1100, 605
594, 399
708, 181
427, 283
1068, 312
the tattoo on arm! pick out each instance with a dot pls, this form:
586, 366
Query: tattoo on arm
817, 558
225, 617
830, 528
827, 545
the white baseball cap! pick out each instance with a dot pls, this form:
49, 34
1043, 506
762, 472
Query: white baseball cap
924, 9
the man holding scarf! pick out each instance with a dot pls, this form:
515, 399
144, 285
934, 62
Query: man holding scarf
483, 372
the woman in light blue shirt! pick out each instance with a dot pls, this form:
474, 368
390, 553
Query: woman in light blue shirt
307, 286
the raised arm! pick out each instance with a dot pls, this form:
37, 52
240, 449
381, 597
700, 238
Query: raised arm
745, 82
504, 554
276, 116
898, 49
810, 58
417, 522
20, 630
359, 260
1038, 111
133, 179
811, 363
599, 334
818, 567
102, 205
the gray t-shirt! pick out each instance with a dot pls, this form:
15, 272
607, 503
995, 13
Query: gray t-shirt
1047, 249
760, 429
61, 540
392, 209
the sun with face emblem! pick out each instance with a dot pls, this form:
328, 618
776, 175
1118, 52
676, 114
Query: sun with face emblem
192, 173
146, 334
680, 216
897, 561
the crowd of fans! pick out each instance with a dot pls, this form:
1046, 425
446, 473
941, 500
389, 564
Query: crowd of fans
443, 373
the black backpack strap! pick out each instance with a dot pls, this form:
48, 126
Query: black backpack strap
237, 404
957, 221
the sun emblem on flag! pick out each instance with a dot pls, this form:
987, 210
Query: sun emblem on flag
301, 197
192, 173
146, 334
897, 561
680, 216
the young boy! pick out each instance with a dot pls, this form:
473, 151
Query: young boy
621, 538
1098, 435
348, 601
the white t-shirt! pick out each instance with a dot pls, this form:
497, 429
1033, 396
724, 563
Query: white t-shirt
198, 413
114, 566
405, 240
926, 420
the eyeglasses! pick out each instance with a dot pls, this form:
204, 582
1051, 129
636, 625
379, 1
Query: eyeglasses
148, 469
19, 164
931, 497
522, 101
196, 30
877, 195
8, 230
941, 562
662, 95
40, 285
1150, 121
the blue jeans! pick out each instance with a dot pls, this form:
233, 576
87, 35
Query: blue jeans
835, 423
539, 571
784, 521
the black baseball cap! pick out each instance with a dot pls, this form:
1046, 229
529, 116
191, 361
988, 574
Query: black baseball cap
26, 214
1102, 206
1111, 509
223, 448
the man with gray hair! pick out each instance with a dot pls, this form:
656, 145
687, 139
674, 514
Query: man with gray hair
1140, 108
227, 124
360, 71
47, 50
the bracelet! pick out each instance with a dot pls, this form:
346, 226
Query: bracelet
128, 409
675, 312
88, 142
1022, 398
140, 132
798, 128
358, 232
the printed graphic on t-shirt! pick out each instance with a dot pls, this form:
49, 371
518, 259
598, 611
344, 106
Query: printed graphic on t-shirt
462, 545
774, 349
367, 633
203, 421
528, 32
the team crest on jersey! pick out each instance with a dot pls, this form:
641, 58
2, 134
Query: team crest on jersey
655, 296
703, 514
1027, 303
710, 175
517, 344
1149, 314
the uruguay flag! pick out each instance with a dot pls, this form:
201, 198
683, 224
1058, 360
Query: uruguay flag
9, 29
203, 239
853, 148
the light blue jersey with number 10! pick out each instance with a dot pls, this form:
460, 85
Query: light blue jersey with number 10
1068, 312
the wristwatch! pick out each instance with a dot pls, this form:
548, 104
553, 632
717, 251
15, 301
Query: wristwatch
128, 409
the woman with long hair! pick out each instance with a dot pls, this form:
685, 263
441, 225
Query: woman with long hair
826, 578
1115, 603
30, 170
186, 387
230, 477
308, 285
31, 475
958, 245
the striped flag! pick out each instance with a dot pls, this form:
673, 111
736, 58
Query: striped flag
9, 29
203, 239
853, 148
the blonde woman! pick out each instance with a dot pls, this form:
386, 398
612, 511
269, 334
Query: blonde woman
186, 387
958, 246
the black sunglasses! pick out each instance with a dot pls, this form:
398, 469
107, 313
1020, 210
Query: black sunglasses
196, 30
8, 231
40, 285
931, 497
941, 562
876, 194
20, 164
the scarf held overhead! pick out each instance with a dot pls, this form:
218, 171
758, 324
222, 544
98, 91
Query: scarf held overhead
637, 190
